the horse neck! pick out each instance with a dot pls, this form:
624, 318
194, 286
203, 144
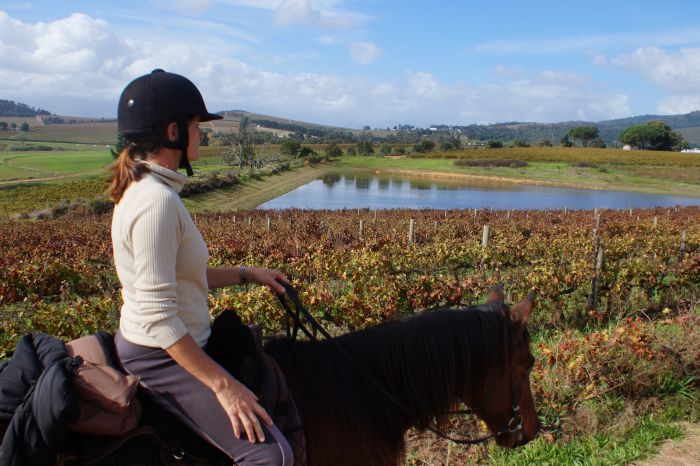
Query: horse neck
419, 368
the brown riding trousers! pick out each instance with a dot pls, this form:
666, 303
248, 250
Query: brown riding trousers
195, 404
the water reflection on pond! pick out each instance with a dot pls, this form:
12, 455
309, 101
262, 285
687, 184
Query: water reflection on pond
341, 191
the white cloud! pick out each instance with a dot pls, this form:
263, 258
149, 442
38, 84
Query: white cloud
321, 13
508, 72
677, 73
193, 7
78, 65
292, 12
364, 53
678, 104
553, 45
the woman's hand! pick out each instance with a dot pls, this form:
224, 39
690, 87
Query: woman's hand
268, 277
243, 409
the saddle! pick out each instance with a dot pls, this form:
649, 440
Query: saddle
160, 439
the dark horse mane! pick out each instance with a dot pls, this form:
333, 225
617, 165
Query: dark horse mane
424, 361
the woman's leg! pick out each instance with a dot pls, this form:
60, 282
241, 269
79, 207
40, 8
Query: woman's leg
196, 406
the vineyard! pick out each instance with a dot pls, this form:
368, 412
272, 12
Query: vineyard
615, 324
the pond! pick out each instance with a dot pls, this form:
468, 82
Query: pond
350, 191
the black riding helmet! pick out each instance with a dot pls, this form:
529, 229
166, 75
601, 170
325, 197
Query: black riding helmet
159, 97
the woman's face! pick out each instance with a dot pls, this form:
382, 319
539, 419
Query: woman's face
195, 135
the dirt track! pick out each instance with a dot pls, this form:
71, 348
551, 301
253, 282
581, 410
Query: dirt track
683, 452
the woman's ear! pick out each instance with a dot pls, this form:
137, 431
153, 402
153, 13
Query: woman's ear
171, 132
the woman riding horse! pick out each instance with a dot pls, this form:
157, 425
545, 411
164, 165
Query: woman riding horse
161, 260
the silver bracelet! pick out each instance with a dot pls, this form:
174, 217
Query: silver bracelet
243, 275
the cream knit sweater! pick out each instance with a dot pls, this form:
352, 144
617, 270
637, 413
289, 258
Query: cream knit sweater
161, 260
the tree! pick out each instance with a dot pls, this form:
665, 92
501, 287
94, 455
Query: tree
290, 147
3, 126
494, 144
597, 143
306, 151
654, 135
24, 127
366, 128
426, 145
365, 148
121, 144
351, 151
13, 126
385, 148
204, 141
565, 141
584, 134
520, 143
333, 150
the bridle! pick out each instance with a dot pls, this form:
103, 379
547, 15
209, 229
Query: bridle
514, 424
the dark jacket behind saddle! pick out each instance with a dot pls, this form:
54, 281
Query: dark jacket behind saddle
36, 400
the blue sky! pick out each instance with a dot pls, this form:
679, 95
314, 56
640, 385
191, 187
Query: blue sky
352, 63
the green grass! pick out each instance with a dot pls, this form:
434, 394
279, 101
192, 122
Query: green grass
47, 164
73, 146
253, 192
639, 442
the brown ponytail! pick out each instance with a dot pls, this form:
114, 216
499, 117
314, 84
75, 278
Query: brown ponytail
129, 166
125, 171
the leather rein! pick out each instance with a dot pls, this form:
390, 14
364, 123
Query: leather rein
515, 423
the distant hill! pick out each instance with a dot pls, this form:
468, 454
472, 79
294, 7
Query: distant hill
687, 124
18, 109
609, 129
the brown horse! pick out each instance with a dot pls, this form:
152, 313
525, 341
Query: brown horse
359, 393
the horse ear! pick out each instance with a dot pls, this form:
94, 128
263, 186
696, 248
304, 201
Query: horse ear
496, 294
520, 313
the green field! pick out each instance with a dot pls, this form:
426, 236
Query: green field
28, 165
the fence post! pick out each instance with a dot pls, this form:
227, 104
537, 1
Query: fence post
250, 220
484, 244
411, 230
485, 238
682, 251
656, 221
269, 223
234, 219
362, 229
599, 258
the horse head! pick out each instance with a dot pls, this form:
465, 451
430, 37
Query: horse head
504, 400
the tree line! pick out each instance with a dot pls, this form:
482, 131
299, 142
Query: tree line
18, 109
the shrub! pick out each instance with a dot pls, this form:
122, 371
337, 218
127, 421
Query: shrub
490, 163
333, 150
426, 145
491, 144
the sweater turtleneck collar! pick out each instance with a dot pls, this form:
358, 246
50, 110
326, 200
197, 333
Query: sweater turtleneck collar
173, 179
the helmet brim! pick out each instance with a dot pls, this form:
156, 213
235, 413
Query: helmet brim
209, 117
